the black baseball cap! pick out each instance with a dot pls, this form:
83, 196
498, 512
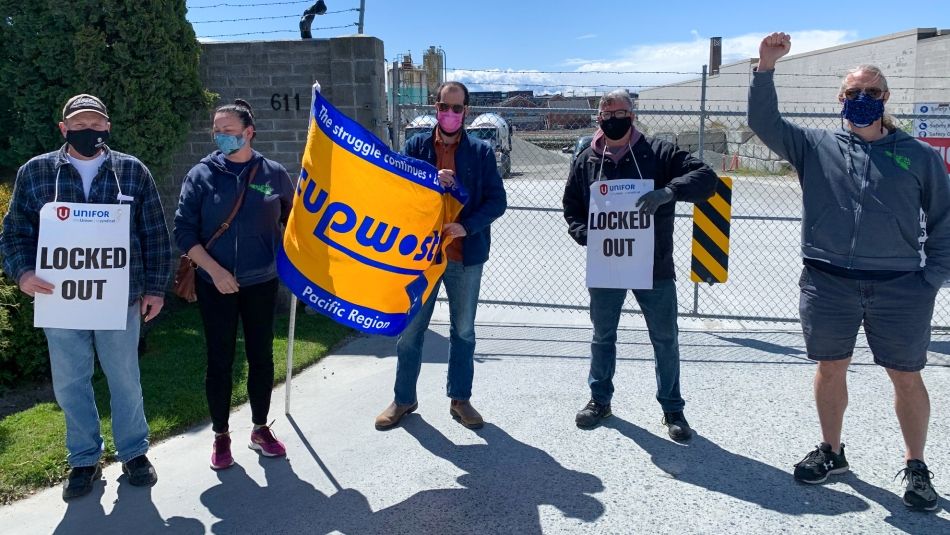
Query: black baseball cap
84, 102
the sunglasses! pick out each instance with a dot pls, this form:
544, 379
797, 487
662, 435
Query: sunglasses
853, 93
456, 108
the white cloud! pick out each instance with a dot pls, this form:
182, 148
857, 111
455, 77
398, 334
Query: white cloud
586, 36
643, 66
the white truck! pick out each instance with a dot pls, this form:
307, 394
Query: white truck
488, 127
420, 125
496, 131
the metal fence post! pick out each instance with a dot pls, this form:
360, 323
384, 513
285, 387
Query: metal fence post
396, 120
702, 158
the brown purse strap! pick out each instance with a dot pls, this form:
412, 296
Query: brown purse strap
237, 206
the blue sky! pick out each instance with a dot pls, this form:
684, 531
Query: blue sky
486, 39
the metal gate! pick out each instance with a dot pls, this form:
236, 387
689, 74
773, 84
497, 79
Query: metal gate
535, 264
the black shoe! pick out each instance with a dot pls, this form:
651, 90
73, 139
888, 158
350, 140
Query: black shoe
820, 463
592, 414
140, 471
80, 481
920, 494
677, 426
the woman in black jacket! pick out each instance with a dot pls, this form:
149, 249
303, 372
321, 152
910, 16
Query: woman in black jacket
237, 273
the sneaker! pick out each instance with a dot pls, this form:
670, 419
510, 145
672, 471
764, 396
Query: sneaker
140, 471
920, 494
264, 442
80, 481
820, 463
221, 452
677, 426
591, 414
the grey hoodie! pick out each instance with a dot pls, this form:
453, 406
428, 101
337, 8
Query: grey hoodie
861, 201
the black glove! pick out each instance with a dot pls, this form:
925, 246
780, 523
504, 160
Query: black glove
578, 231
651, 202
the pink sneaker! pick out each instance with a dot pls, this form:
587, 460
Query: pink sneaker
264, 441
221, 454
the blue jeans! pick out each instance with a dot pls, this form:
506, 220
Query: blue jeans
462, 284
659, 310
72, 353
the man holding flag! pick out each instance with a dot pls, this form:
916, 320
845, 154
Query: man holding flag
469, 163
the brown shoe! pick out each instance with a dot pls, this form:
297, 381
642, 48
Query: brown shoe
393, 413
465, 414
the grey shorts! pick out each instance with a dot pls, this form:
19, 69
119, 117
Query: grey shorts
896, 314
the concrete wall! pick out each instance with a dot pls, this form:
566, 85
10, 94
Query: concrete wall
350, 71
933, 61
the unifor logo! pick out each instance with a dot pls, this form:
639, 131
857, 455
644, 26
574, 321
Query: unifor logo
62, 213
603, 189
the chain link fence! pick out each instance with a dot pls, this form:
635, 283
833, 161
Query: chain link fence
535, 264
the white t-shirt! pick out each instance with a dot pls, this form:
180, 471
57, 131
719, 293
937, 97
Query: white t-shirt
88, 169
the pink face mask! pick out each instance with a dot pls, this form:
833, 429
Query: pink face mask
449, 121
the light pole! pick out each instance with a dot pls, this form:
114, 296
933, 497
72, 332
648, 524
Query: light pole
444, 67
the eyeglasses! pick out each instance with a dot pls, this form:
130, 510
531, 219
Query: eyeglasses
853, 93
619, 114
442, 106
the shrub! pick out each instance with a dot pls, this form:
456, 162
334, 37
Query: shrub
23, 355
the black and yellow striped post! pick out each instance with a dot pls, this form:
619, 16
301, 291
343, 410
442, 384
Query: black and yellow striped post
711, 221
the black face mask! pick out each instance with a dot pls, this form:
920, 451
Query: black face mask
87, 142
615, 128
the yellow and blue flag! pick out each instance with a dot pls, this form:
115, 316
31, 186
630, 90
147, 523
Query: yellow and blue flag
364, 242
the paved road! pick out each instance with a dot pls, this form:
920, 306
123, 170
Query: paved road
530, 470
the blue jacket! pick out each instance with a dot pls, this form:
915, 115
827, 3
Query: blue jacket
248, 248
476, 168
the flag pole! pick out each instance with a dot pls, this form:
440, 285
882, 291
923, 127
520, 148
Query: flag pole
292, 325
290, 352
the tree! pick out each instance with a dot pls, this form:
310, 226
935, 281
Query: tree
139, 56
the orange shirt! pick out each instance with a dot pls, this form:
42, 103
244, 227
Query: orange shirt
445, 159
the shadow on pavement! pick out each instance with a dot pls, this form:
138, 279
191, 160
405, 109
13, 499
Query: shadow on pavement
899, 516
704, 464
133, 512
505, 483
762, 345
435, 349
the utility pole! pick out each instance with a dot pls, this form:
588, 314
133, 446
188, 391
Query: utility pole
362, 12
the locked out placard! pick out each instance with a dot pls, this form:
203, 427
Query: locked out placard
619, 236
83, 251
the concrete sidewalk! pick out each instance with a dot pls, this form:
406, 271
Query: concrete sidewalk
530, 470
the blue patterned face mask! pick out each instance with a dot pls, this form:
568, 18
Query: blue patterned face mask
863, 111
229, 144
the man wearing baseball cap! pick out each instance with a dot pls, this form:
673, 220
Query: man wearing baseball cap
86, 170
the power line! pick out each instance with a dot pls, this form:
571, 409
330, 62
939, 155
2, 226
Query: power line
745, 74
253, 5
274, 31
499, 71
252, 19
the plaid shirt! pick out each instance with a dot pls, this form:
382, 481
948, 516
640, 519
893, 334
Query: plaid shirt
36, 185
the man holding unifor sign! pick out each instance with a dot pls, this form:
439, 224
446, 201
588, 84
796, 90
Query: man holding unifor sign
619, 202
86, 236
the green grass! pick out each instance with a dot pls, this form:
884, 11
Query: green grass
32, 442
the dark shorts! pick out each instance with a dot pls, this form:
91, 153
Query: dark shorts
896, 314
